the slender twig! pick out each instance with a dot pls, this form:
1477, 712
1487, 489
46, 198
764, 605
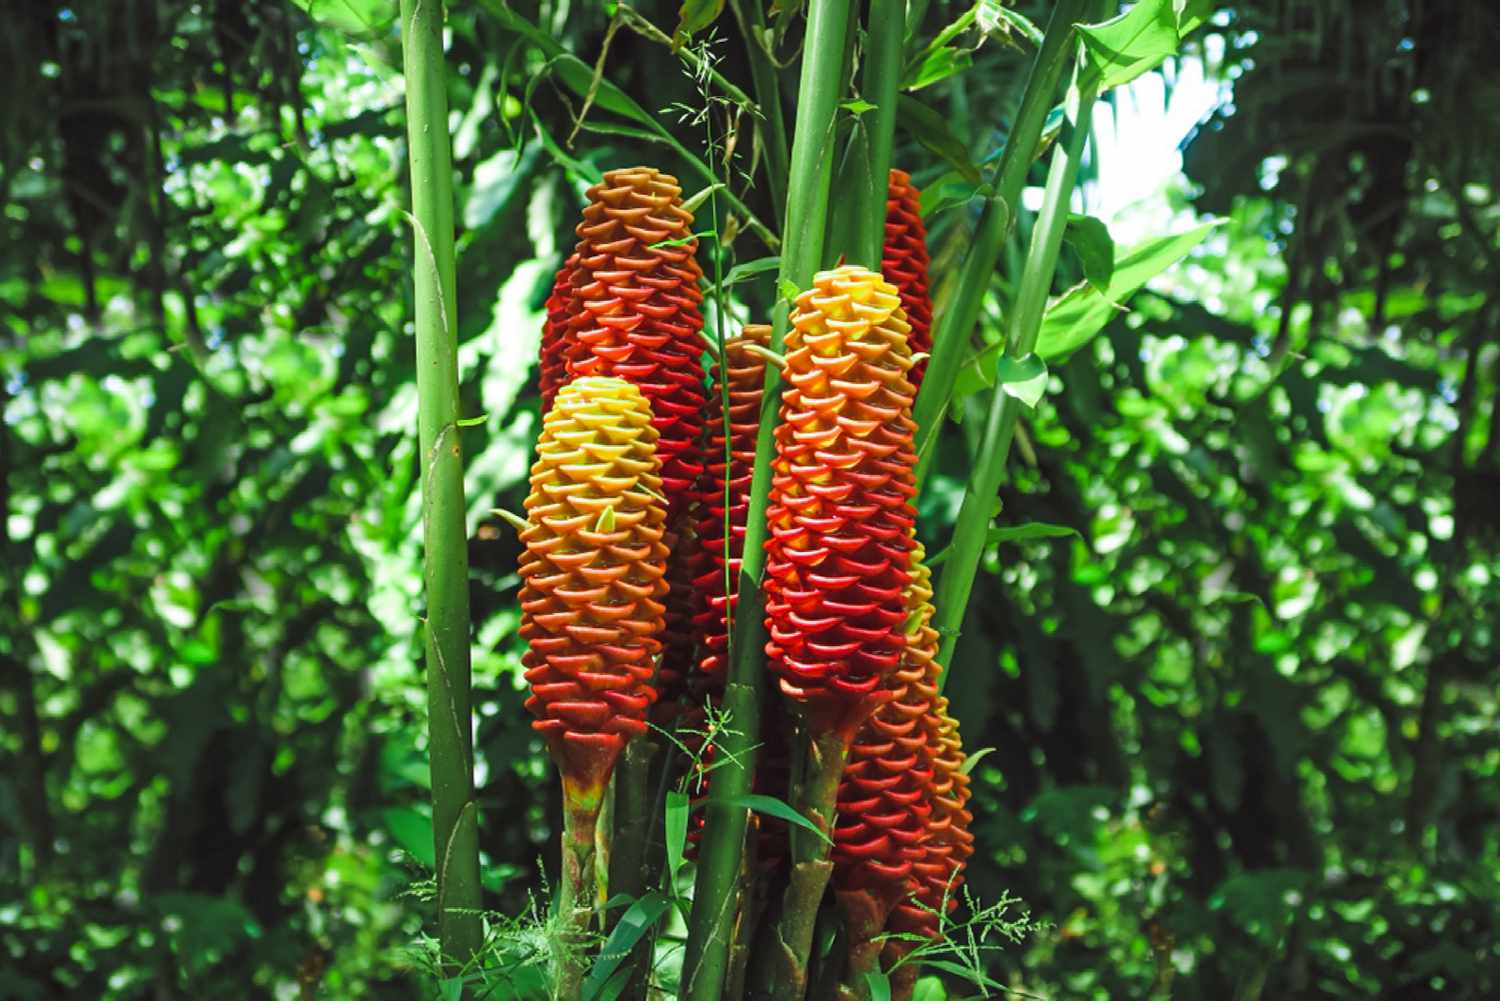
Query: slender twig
971, 528
444, 536
641, 25
955, 323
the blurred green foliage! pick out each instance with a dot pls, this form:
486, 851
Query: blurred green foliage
1245, 722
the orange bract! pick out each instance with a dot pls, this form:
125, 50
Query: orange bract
840, 514
593, 576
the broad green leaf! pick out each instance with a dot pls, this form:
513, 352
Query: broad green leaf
933, 131
950, 193
880, 985
1090, 240
676, 821
1138, 41
451, 988
694, 16
634, 923
355, 17
773, 807
1023, 378
749, 269
1080, 313
411, 828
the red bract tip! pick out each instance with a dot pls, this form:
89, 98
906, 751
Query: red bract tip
904, 262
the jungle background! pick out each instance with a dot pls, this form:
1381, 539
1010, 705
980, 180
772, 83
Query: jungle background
1243, 715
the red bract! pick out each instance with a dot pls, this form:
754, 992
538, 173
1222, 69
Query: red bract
904, 263
636, 283
885, 800
744, 378
559, 338
840, 515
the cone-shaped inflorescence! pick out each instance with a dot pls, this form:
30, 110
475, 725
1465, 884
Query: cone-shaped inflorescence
885, 800
840, 513
635, 315
904, 262
948, 843
593, 577
679, 645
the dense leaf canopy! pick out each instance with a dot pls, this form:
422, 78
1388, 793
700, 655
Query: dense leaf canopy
1244, 721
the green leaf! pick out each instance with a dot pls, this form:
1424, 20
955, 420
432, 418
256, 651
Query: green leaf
1090, 240
932, 130
1028, 531
992, 13
411, 828
788, 289
773, 807
693, 17
451, 988
1074, 318
1023, 378
1137, 41
677, 810
947, 194
880, 985
936, 65
472, 422
354, 17
973, 759
748, 270
929, 989
634, 923
857, 107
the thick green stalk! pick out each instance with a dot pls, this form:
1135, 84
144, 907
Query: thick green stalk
763, 76
575, 904
445, 574
880, 78
711, 928
783, 971
955, 323
630, 870
969, 532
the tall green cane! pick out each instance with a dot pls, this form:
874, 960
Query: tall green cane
970, 530
711, 928
955, 323
445, 574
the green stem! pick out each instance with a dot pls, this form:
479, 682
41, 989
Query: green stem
630, 869
763, 76
711, 928
969, 532
575, 905
873, 139
956, 322
783, 976
445, 544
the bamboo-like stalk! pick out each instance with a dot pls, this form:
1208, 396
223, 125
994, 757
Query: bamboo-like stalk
880, 78
956, 321
765, 78
711, 928
575, 905
970, 530
445, 573
630, 866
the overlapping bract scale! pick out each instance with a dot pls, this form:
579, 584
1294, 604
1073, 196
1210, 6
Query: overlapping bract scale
744, 376
840, 516
559, 333
593, 574
884, 801
635, 311
904, 263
